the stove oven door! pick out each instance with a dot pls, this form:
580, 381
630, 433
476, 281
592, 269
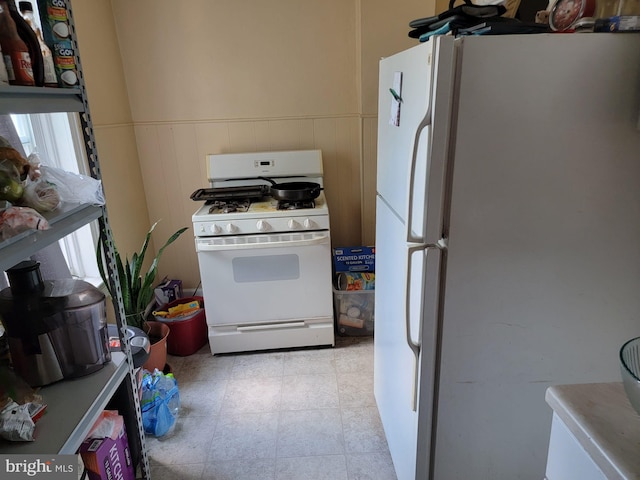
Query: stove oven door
265, 289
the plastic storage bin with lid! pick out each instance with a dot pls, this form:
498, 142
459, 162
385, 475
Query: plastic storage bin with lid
353, 293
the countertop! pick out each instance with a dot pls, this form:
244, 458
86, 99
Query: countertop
601, 418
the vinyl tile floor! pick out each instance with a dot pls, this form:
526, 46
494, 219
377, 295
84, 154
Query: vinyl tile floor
298, 414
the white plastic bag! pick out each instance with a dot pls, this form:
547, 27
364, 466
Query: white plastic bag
109, 424
73, 187
16, 424
15, 220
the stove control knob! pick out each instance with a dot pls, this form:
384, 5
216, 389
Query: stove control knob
293, 225
215, 229
262, 226
231, 228
308, 223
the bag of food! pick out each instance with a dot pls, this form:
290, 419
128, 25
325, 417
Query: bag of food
40, 195
13, 156
11, 188
15, 220
73, 187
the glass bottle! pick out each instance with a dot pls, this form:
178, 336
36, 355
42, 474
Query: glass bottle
29, 38
4, 77
50, 78
14, 50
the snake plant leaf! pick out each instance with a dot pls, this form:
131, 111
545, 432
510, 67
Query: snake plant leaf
137, 290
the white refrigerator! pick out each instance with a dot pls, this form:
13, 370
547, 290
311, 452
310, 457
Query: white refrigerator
507, 242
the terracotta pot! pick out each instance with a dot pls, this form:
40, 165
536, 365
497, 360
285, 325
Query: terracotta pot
158, 333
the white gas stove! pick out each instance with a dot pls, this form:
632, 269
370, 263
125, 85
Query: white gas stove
264, 251
236, 217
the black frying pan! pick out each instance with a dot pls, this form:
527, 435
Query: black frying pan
294, 191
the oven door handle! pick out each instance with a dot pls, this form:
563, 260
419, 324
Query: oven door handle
272, 326
204, 246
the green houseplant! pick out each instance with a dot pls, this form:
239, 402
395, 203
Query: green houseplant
137, 290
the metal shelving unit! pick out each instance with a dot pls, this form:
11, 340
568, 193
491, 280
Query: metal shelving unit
74, 405
62, 222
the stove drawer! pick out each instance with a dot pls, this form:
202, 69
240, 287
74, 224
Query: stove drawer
303, 333
266, 278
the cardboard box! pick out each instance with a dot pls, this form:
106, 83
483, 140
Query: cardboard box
168, 291
354, 259
107, 459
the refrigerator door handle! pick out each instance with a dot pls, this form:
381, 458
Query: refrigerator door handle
414, 346
426, 121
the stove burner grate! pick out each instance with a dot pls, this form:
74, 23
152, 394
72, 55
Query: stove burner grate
228, 206
290, 205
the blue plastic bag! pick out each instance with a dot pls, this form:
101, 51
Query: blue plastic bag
160, 402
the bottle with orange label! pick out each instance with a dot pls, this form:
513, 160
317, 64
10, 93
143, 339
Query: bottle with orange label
14, 50
28, 36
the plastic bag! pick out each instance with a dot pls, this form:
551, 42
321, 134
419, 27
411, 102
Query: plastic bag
160, 402
108, 425
40, 195
16, 424
73, 187
34, 166
15, 220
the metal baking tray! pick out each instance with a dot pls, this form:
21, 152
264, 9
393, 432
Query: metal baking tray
228, 193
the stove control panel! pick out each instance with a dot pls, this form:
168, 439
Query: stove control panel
207, 228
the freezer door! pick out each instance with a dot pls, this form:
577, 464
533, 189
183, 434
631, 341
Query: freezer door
403, 124
407, 290
414, 104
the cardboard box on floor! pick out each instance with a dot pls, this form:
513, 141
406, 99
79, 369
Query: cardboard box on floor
354, 259
107, 459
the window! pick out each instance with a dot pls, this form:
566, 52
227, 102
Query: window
57, 139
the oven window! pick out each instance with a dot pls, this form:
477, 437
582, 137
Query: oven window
266, 268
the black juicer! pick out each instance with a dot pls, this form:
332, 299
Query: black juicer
57, 329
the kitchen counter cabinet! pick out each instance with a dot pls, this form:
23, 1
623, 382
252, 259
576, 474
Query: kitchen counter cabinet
595, 433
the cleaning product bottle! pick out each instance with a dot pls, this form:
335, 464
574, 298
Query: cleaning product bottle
50, 79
